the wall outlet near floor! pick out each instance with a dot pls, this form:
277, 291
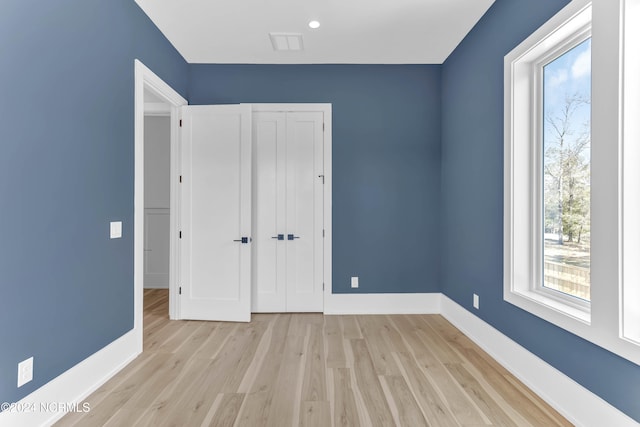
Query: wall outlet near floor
25, 371
476, 302
354, 282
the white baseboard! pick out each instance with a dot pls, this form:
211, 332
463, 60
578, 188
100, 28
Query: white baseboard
74, 385
382, 303
576, 403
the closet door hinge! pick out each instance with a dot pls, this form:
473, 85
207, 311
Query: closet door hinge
180, 122
323, 232
322, 126
179, 234
180, 290
323, 286
180, 179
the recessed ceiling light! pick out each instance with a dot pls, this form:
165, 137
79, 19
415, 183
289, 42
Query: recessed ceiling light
314, 24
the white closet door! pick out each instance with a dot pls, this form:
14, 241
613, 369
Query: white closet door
216, 213
269, 284
304, 211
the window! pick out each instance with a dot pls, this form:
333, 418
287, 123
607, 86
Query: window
566, 172
571, 199
547, 168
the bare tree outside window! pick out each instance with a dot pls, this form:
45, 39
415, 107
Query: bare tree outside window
567, 172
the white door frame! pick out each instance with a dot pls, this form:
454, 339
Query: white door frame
327, 135
147, 79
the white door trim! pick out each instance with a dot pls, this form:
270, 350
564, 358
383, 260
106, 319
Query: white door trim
327, 135
147, 79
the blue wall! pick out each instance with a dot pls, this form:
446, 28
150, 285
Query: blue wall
66, 170
472, 194
386, 160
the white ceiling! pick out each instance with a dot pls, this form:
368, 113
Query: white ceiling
351, 31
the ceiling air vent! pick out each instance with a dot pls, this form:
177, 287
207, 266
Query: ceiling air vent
286, 41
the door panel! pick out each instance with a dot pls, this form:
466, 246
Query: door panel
269, 186
304, 211
289, 203
216, 210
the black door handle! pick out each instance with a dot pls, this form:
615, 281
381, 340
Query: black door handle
279, 237
291, 237
242, 240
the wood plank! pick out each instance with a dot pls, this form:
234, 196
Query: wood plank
298, 325
254, 368
227, 411
142, 399
314, 386
345, 410
315, 414
255, 410
173, 400
369, 386
433, 405
408, 410
195, 341
350, 327
154, 341
237, 356
461, 405
285, 395
268, 373
372, 328
413, 343
439, 347
180, 337
334, 342
480, 396
215, 341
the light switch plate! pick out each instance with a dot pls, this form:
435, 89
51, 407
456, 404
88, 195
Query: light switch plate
476, 302
25, 371
354, 282
116, 229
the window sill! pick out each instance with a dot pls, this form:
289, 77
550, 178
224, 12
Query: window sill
552, 310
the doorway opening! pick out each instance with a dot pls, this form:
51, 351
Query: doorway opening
154, 225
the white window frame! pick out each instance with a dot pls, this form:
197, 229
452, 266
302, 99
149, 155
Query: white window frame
575, 32
630, 321
601, 321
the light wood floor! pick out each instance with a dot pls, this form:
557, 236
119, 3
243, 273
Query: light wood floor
310, 370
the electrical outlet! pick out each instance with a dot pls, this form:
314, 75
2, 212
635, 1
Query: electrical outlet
25, 371
354, 282
476, 302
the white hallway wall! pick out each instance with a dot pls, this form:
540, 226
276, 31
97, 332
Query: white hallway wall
157, 149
